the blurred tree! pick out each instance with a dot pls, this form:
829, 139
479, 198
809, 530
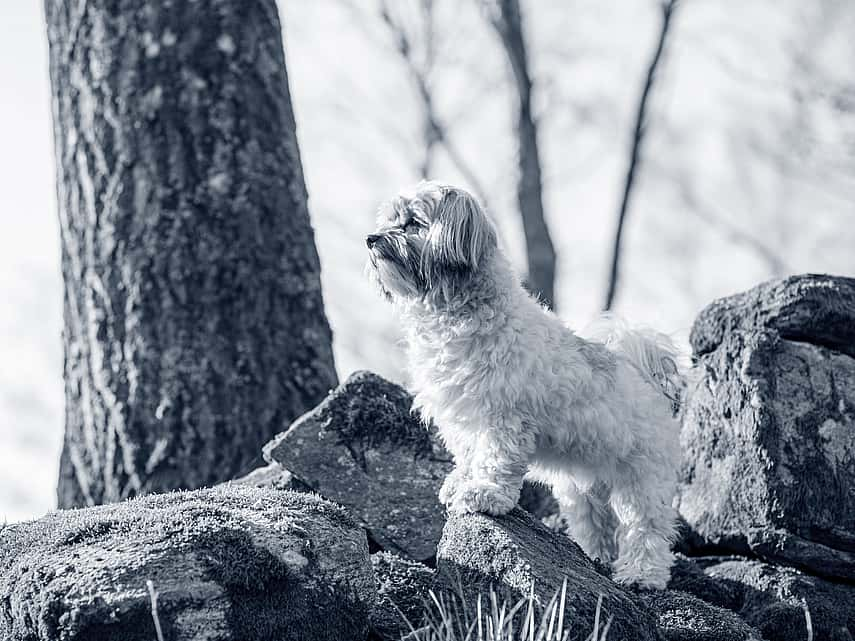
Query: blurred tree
668, 7
194, 321
506, 19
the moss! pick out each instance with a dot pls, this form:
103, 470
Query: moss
402, 588
257, 616
260, 589
80, 574
683, 617
235, 562
372, 412
148, 516
88, 531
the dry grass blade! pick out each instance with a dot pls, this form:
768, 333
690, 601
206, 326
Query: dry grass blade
530, 614
808, 624
595, 635
606, 628
152, 594
494, 604
478, 612
406, 620
544, 632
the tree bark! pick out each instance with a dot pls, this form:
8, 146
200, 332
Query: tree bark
507, 21
668, 7
194, 321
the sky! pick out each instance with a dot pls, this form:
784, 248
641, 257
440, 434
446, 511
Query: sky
748, 174
30, 280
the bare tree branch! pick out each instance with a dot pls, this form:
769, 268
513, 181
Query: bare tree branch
434, 129
668, 7
507, 21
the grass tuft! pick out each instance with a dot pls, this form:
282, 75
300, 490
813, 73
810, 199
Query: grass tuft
448, 619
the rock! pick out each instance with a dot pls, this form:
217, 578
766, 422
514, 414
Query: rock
402, 591
810, 308
687, 575
770, 598
228, 563
769, 429
538, 501
364, 449
683, 617
688, 540
517, 556
272, 476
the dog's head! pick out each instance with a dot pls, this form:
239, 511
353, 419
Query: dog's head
429, 242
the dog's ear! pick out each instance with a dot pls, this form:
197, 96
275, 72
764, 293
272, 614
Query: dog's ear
461, 234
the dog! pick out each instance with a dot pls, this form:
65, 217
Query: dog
514, 393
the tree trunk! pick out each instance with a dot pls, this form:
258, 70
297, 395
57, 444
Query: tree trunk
194, 321
507, 21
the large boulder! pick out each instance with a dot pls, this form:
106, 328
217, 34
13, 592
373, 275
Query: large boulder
402, 592
769, 430
362, 447
230, 563
517, 557
772, 599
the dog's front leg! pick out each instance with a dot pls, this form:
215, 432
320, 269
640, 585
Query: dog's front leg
450, 485
460, 450
497, 463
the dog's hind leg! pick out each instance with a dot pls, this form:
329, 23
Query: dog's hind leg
647, 530
588, 517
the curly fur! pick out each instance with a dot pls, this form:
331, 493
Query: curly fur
516, 393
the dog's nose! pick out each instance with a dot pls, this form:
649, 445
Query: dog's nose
370, 239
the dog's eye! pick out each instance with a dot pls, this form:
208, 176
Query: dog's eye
412, 225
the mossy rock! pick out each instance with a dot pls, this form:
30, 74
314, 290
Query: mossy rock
773, 599
402, 593
516, 556
365, 449
228, 563
684, 617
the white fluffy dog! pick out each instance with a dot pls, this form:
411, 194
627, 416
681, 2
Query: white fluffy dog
515, 393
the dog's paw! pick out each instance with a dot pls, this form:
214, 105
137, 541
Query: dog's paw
450, 486
489, 498
651, 579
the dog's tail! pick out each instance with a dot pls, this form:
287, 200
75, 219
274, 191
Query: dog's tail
653, 354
